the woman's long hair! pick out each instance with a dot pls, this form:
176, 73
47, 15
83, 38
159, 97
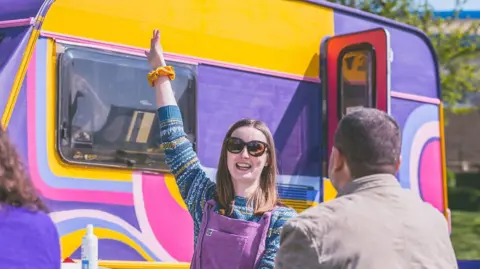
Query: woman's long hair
264, 198
16, 189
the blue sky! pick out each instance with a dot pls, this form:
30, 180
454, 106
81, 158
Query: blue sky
448, 5
444, 8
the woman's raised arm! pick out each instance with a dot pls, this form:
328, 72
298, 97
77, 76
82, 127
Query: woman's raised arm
192, 181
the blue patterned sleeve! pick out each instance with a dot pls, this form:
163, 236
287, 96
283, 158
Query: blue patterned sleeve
272, 244
195, 187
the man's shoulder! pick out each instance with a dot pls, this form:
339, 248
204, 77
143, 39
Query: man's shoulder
433, 215
423, 208
321, 215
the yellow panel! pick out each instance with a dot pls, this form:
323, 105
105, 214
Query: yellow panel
277, 35
443, 161
329, 191
72, 241
299, 205
174, 190
142, 265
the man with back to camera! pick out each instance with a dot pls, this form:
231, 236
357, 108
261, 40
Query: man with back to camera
373, 223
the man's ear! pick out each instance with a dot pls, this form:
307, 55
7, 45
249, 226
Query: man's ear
397, 167
338, 160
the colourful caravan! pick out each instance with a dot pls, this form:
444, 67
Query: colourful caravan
75, 100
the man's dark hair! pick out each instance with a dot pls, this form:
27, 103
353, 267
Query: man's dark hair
370, 140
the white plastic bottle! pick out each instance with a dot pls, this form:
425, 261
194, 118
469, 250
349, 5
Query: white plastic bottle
90, 249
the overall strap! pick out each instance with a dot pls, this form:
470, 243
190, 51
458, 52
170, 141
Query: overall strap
209, 205
267, 219
211, 202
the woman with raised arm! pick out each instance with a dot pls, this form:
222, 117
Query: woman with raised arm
237, 221
28, 237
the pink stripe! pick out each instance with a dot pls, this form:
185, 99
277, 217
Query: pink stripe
171, 223
16, 23
430, 181
415, 97
172, 56
44, 189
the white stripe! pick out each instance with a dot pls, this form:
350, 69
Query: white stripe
143, 222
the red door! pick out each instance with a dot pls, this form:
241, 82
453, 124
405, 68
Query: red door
355, 73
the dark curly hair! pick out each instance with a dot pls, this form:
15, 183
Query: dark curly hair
16, 189
371, 142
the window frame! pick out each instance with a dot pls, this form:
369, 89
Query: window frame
61, 114
371, 75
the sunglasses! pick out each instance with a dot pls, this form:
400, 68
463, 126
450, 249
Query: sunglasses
254, 148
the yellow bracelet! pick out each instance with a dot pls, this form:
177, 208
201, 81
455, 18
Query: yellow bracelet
161, 71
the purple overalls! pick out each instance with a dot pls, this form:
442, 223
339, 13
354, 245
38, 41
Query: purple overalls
226, 243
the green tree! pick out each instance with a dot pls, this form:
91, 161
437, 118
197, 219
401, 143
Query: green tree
455, 41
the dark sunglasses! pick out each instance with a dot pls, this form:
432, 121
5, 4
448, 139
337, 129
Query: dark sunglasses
254, 148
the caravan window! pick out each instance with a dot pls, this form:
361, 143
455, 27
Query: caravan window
107, 111
357, 71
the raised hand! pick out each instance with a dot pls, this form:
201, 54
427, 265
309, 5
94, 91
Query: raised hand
155, 54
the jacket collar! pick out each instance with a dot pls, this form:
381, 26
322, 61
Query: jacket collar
369, 182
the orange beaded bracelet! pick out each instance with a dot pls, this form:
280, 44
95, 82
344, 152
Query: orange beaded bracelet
161, 71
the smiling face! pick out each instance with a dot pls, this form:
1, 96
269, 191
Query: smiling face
243, 167
247, 167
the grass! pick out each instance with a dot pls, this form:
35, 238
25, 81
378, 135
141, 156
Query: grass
466, 234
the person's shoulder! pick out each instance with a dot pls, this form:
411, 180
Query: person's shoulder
37, 223
44, 231
325, 209
423, 208
324, 213
433, 214
311, 223
42, 220
22, 213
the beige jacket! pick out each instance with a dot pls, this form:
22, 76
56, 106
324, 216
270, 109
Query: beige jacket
373, 224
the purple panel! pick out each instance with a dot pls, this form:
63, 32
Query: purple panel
19, 9
11, 53
10, 38
401, 109
413, 69
127, 213
112, 250
291, 109
17, 129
